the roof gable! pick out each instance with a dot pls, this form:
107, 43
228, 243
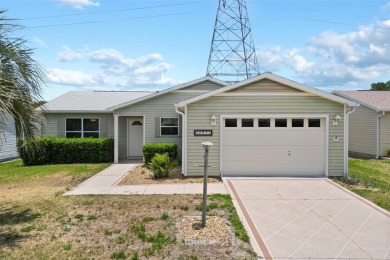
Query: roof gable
264, 85
274, 78
178, 87
376, 100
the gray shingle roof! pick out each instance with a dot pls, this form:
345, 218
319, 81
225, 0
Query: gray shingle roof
91, 101
378, 100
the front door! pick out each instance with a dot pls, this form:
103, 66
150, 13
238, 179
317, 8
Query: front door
135, 137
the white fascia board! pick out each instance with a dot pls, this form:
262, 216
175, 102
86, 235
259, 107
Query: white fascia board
159, 93
76, 111
359, 102
275, 78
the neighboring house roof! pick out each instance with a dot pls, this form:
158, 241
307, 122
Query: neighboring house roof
276, 78
377, 100
90, 101
159, 93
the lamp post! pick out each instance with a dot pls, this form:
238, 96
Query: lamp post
206, 146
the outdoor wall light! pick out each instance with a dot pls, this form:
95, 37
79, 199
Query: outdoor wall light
213, 120
336, 119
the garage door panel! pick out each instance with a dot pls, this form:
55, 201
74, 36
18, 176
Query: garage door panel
306, 137
251, 153
254, 168
308, 153
255, 137
286, 151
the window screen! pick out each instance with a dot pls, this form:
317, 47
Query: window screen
169, 126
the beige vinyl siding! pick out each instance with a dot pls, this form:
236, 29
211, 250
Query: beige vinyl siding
206, 85
153, 109
199, 114
363, 132
264, 85
8, 139
55, 123
50, 126
385, 133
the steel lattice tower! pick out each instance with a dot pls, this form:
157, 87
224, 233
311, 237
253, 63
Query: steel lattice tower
232, 55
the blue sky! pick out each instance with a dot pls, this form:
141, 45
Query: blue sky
152, 45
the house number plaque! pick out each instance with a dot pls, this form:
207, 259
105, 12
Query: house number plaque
203, 132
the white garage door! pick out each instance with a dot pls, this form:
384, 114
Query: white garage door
273, 147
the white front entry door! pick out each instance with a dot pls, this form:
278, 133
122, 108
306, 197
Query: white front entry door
276, 147
135, 137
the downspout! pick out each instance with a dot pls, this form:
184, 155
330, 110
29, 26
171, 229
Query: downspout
346, 140
378, 136
183, 140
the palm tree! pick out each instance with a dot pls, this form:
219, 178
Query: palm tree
21, 81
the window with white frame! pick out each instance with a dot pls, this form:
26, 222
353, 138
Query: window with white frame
169, 126
82, 128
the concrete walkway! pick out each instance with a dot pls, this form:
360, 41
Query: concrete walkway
106, 182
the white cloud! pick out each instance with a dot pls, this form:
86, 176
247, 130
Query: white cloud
70, 77
39, 42
79, 4
386, 7
69, 55
114, 70
332, 58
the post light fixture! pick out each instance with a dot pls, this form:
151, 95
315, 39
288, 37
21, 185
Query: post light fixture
336, 119
213, 120
206, 146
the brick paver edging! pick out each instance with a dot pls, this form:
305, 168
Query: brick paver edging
259, 240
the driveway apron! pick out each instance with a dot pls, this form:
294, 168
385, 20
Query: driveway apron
310, 219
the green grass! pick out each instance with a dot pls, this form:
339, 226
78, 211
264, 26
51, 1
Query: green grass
15, 172
225, 202
157, 241
36, 222
373, 177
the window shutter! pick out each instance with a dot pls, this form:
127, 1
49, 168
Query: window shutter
157, 131
180, 126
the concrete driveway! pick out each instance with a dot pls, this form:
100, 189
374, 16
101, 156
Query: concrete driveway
310, 218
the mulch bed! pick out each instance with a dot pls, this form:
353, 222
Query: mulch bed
141, 175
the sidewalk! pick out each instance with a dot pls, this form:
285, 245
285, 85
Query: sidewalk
106, 182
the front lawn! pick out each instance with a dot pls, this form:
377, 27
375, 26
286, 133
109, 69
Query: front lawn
15, 172
37, 222
370, 179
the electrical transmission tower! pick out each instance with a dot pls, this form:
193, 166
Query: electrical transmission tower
232, 55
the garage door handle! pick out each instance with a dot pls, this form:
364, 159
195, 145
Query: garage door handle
289, 153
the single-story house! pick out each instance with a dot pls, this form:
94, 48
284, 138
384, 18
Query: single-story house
8, 150
263, 126
369, 125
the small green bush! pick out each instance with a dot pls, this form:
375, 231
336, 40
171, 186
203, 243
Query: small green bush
161, 165
55, 150
149, 150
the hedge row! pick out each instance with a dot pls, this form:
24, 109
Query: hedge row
149, 150
54, 150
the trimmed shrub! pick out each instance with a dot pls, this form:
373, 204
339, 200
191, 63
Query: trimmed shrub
54, 150
161, 165
149, 150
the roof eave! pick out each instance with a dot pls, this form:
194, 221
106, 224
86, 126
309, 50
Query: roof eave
360, 102
75, 111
